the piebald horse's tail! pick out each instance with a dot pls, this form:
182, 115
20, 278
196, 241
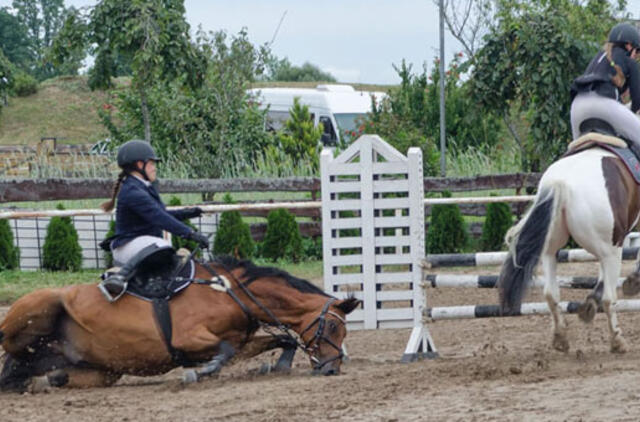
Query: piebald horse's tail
526, 241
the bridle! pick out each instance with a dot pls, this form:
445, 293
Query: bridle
310, 347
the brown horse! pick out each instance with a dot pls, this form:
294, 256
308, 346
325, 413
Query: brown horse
78, 339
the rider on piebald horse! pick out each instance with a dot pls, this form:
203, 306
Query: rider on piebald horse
597, 94
141, 216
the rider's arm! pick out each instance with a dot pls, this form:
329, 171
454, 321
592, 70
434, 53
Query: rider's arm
633, 82
143, 204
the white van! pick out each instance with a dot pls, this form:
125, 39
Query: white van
337, 107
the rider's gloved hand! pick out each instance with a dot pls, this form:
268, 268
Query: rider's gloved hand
192, 212
201, 239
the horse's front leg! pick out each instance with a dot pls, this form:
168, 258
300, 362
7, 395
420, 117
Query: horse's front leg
552, 295
226, 352
631, 284
611, 271
588, 309
261, 344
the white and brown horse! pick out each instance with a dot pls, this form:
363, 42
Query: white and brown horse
592, 197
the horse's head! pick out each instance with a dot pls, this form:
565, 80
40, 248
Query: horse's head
324, 333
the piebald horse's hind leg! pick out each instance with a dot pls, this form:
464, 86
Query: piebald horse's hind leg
552, 295
611, 271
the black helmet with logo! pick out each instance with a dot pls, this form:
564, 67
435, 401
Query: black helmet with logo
625, 33
135, 150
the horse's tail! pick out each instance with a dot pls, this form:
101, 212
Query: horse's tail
526, 241
31, 317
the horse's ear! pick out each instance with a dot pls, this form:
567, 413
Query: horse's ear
348, 305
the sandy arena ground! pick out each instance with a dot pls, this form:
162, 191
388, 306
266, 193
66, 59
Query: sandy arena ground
490, 369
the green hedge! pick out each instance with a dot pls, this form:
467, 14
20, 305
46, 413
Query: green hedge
61, 250
282, 239
9, 253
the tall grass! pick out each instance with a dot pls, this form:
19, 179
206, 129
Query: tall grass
475, 161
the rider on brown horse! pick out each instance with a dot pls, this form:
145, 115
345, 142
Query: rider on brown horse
141, 216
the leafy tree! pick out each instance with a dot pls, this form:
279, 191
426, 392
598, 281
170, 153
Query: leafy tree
14, 40
299, 138
43, 19
9, 253
6, 78
151, 35
496, 224
528, 62
214, 127
61, 250
283, 71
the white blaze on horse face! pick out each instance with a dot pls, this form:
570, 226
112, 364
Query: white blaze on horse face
589, 217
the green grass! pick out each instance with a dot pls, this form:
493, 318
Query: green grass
14, 284
63, 107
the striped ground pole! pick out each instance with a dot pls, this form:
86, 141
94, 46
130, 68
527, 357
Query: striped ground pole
497, 258
536, 308
490, 281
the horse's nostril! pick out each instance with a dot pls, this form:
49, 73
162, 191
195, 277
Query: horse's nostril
331, 371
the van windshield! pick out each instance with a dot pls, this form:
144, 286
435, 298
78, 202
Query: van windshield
348, 123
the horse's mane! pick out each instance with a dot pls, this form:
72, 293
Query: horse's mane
252, 272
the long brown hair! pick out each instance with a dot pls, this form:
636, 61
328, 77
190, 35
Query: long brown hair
110, 204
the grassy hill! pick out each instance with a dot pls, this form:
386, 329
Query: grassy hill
63, 107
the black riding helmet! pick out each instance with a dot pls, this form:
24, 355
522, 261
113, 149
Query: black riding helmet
135, 150
624, 33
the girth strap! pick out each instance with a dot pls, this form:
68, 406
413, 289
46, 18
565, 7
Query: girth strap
162, 315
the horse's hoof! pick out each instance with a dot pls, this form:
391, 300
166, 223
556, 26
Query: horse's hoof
560, 342
587, 310
265, 369
39, 385
619, 344
189, 376
58, 378
631, 285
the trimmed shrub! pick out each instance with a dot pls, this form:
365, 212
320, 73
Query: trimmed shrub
176, 241
282, 239
496, 224
9, 253
24, 84
447, 232
233, 236
61, 250
312, 248
108, 256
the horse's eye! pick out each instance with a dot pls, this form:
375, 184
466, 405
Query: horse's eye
332, 327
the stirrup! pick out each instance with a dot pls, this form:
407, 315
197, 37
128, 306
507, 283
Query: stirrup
108, 295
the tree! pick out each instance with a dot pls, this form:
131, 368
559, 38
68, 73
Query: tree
61, 250
42, 20
468, 21
153, 35
300, 139
9, 253
283, 71
514, 70
14, 41
208, 130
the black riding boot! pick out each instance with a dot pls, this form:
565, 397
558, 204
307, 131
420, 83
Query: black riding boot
114, 286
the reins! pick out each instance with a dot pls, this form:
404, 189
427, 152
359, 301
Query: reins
309, 347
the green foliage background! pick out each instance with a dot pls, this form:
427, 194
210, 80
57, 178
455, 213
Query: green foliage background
282, 239
9, 253
61, 250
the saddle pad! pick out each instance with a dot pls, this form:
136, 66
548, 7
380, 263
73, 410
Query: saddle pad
596, 137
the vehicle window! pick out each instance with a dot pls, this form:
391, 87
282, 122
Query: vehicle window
347, 123
328, 127
275, 120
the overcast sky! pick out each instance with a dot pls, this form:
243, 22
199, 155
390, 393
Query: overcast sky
355, 40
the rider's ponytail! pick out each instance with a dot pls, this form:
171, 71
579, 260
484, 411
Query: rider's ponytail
109, 205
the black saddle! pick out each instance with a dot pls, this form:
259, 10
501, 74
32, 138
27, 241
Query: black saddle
161, 275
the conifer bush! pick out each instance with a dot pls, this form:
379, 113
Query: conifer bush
61, 250
447, 232
178, 242
282, 239
108, 256
9, 253
496, 223
233, 236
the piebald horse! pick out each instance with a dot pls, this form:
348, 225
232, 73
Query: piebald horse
78, 339
592, 197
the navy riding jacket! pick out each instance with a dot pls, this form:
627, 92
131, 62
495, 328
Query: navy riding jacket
140, 212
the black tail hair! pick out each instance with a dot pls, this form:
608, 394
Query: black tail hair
523, 256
